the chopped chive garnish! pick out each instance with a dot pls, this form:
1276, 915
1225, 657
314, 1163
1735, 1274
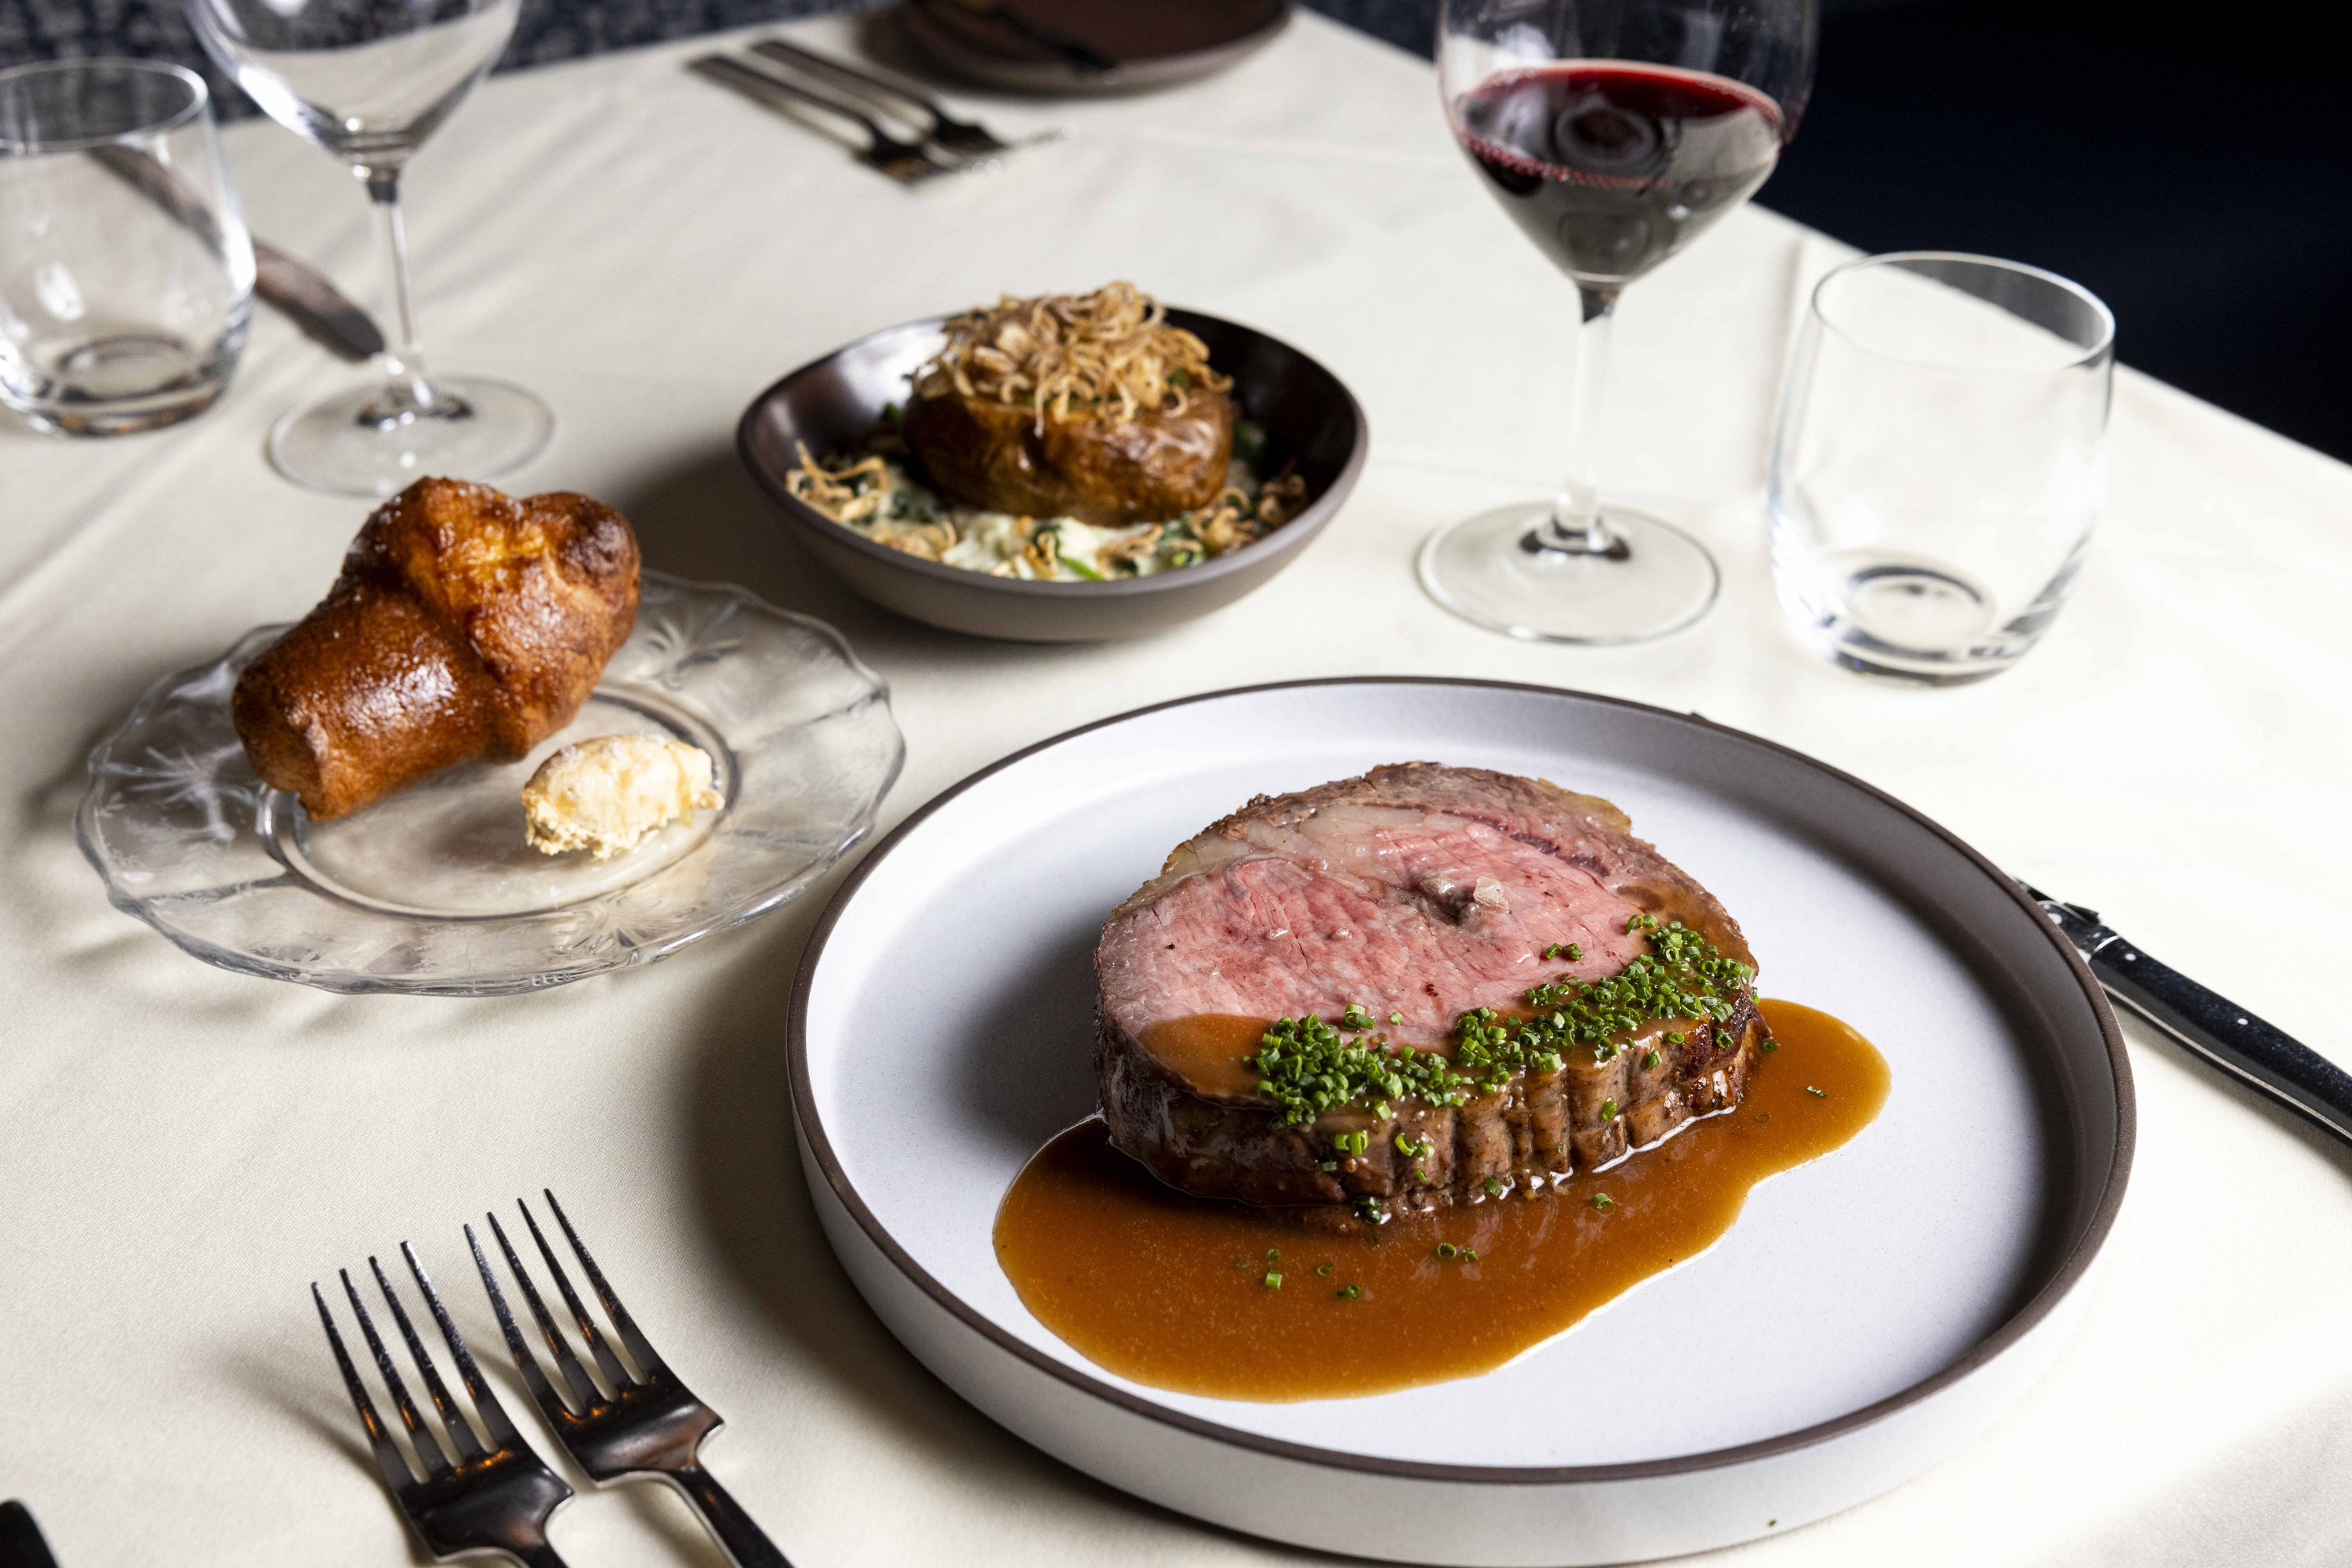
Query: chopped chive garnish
1650, 1060
1273, 1280
1308, 1067
1603, 1202
1346, 1292
1607, 1110
1494, 1186
1817, 1093
1323, 1270
1447, 1249
1272, 1253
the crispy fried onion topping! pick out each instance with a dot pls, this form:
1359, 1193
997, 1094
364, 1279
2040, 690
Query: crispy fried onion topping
857, 494
1233, 519
1111, 353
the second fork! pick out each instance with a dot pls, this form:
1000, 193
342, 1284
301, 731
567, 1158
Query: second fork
646, 1427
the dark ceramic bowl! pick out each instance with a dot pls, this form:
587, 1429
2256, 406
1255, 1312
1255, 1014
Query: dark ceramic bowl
826, 406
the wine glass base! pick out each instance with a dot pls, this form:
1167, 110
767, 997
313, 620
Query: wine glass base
337, 446
1488, 569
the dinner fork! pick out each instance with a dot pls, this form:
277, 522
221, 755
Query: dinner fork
490, 1499
649, 1427
904, 162
965, 136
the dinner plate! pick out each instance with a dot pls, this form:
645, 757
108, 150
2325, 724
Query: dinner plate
1013, 44
432, 890
1869, 1312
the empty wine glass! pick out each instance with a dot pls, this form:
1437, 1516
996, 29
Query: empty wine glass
370, 80
1615, 131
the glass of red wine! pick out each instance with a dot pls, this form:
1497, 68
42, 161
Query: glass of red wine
1615, 132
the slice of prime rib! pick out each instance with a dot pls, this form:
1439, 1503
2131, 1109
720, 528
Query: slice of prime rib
1416, 892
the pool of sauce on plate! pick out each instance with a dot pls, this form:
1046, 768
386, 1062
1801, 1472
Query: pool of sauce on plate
1172, 1292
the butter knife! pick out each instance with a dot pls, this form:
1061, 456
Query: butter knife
305, 297
300, 291
2256, 1053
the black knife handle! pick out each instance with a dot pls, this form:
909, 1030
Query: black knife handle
2228, 1035
21, 1545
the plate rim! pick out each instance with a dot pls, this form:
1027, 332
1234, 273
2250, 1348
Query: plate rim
2065, 1277
1290, 537
1058, 80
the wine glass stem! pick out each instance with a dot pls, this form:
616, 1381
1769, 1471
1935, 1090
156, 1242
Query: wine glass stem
407, 391
1576, 524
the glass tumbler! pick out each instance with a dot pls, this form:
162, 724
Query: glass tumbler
1941, 462
126, 273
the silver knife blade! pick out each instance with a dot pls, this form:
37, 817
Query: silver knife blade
314, 304
2256, 1053
301, 291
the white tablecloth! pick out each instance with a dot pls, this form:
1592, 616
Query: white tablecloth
182, 1151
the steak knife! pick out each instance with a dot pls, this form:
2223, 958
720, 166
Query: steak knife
2212, 1026
298, 290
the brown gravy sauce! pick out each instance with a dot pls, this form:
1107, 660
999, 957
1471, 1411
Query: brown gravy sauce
1205, 1049
1171, 1291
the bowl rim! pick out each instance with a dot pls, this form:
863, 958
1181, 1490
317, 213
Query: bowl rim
1292, 536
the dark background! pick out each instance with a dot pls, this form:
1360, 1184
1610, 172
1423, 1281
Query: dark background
2193, 169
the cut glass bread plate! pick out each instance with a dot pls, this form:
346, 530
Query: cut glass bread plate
434, 890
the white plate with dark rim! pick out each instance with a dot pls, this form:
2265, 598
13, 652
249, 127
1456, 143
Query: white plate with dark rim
1877, 1307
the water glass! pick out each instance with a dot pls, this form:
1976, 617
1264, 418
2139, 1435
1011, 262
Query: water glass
1941, 462
126, 273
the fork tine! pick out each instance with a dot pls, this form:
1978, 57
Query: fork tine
576, 1380
486, 1403
428, 1451
534, 1376
462, 1440
647, 1362
396, 1473
606, 1361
